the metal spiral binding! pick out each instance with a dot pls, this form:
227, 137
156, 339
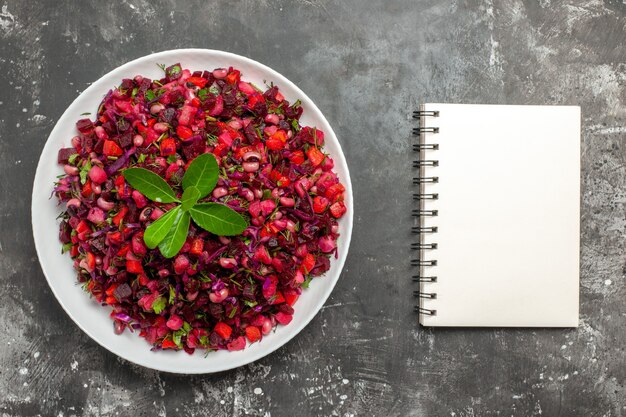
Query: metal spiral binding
432, 196
423, 248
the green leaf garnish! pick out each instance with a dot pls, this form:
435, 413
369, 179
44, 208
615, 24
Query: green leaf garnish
158, 305
202, 174
218, 219
84, 171
190, 198
175, 238
172, 297
150, 184
169, 232
149, 95
156, 232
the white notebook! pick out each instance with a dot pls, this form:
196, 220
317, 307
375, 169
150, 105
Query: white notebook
498, 215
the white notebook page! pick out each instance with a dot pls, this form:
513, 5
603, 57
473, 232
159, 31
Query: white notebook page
508, 216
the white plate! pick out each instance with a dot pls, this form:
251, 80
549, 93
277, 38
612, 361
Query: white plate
94, 319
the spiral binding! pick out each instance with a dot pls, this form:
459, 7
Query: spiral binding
421, 163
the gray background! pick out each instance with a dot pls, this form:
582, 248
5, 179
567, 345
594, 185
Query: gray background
366, 65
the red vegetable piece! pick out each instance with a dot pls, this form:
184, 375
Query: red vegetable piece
111, 148
338, 209
334, 191
168, 344
223, 329
168, 147
283, 318
253, 334
198, 81
184, 132
319, 204
297, 157
119, 217
197, 245
315, 156
274, 144
134, 267
307, 263
233, 77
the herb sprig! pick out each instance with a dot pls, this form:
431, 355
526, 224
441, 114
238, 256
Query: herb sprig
169, 232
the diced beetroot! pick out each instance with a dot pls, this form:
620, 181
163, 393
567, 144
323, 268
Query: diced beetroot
223, 329
186, 115
96, 215
267, 207
262, 255
255, 208
283, 318
84, 126
181, 263
126, 140
217, 107
327, 244
269, 287
237, 344
175, 322
64, 155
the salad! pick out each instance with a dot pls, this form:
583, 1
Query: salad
269, 198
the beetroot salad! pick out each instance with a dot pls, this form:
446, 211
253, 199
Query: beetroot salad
216, 292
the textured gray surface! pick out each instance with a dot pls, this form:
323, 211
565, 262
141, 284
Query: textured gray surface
366, 65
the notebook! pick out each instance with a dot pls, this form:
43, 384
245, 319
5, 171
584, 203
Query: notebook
497, 214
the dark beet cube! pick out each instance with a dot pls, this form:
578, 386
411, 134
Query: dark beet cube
84, 126
127, 85
167, 115
99, 146
87, 143
65, 232
193, 148
173, 72
126, 140
145, 84
64, 155
122, 291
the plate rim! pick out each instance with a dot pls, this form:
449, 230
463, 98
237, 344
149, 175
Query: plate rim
346, 237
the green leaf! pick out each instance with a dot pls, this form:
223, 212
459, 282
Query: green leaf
307, 281
149, 95
84, 171
158, 305
202, 173
66, 247
156, 232
172, 295
72, 158
218, 219
175, 238
150, 184
190, 198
